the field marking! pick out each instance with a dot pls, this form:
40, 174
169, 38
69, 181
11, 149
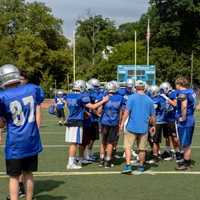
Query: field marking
95, 146
48, 174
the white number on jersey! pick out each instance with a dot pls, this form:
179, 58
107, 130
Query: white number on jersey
17, 111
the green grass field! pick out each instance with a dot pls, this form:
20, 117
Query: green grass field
54, 182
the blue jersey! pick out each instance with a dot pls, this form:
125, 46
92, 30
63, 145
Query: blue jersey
111, 110
60, 102
96, 95
170, 111
160, 106
191, 103
18, 107
125, 93
76, 102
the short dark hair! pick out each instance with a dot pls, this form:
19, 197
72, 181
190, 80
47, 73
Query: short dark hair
23, 74
182, 81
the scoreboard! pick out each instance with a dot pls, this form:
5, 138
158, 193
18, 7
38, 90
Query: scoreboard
142, 72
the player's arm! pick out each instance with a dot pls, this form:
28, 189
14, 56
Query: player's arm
124, 117
38, 115
1, 137
183, 100
97, 105
170, 101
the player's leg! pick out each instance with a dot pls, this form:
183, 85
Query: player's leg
59, 116
156, 140
185, 135
175, 141
14, 187
22, 192
73, 137
142, 146
14, 170
129, 140
103, 138
29, 184
167, 154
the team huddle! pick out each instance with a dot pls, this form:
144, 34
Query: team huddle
141, 115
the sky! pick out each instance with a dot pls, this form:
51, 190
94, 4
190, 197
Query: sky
120, 11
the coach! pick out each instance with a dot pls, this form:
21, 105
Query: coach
139, 114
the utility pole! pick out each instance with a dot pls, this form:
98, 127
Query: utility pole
74, 55
135, 56
192, 70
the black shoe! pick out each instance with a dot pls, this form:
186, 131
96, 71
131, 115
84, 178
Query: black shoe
167, 156
101, 163
179, 157
181, 167
22, 193
108, 164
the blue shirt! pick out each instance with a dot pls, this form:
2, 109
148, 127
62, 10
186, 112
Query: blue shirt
111, 110
170, 111
76, 102
191, 103
60, 102
18, 107
160, 106
140, 108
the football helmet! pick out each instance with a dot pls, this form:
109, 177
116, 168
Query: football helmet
111, 87
9, 74
94, 82
130, 83
79, 85
165, 88
154, 90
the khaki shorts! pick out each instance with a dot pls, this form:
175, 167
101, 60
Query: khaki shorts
131, 138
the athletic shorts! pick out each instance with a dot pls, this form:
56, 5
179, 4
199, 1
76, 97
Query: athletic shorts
16, 167
160, 129
185, 135
131, 138
87, 136
74, 135
109, 134
60, 113
171, 129
95, 131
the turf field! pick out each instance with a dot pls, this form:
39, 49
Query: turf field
54, 182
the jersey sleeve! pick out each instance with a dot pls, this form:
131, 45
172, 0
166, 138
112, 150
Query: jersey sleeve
40, 95
2, 107
152, 109
85, 99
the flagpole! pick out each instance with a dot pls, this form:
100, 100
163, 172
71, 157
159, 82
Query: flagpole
74, 56
148, 41
135, 56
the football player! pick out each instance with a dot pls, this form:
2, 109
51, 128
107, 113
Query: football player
186, 102
111, 114
20, 110
77, 102
60, 105
96, 94
171, 130
156, 138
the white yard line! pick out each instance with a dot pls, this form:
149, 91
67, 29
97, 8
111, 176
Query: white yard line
47, 174
96, 146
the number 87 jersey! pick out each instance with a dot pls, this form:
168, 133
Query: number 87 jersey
18, 106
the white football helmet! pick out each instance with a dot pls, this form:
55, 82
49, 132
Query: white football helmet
116, 84
79, 85
165, 87
154, 90
9, 74
89, 86
94, 82
130, 83
60, 92
111, 87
